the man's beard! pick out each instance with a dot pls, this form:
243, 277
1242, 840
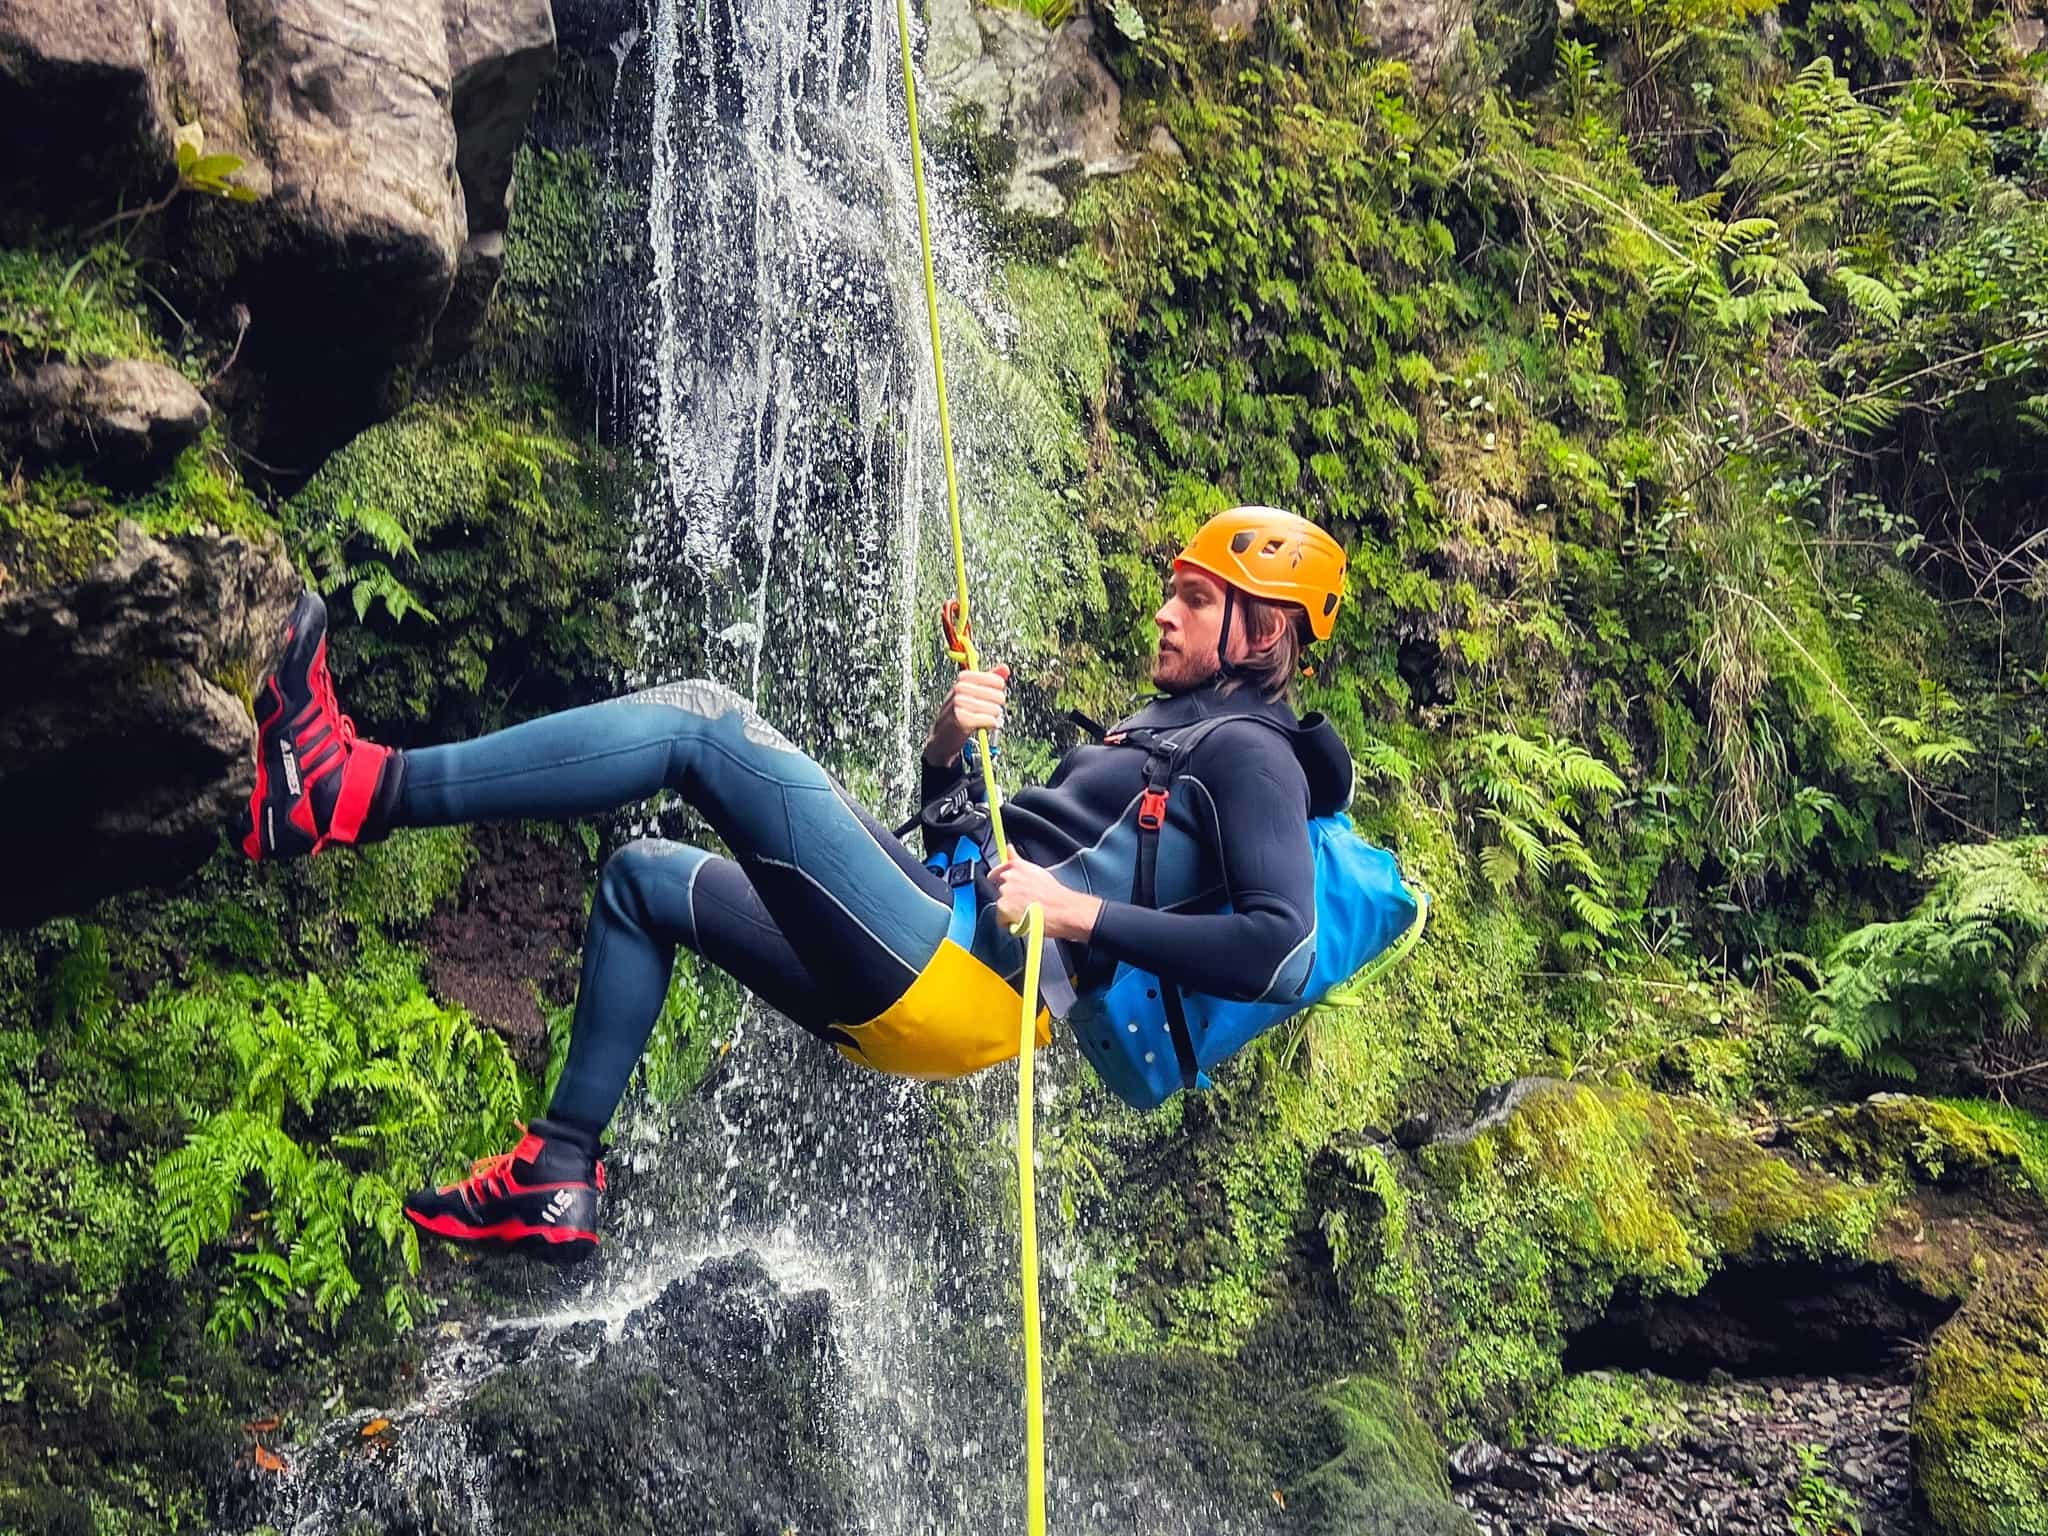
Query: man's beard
1173, 672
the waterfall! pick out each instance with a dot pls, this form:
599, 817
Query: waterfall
785, 413
769, 375
782, 399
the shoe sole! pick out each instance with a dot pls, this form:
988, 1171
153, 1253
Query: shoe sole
552, 1245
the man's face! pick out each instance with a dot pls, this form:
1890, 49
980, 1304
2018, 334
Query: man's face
1189, 622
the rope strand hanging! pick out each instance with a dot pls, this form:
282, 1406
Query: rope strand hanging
960, 648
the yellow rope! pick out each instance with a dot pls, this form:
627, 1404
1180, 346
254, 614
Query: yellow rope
1033, 925
1027, 1206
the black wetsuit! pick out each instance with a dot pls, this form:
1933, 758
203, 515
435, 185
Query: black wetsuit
1236, 831
839, 926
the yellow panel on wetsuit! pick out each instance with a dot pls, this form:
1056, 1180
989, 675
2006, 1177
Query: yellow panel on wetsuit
958, 1017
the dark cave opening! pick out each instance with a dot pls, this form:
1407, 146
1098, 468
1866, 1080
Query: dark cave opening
1779, 1319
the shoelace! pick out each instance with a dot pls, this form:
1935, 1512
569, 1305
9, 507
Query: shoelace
323, 695
488, 1174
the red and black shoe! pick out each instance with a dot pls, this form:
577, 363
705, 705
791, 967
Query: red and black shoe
541, 1199
316, 783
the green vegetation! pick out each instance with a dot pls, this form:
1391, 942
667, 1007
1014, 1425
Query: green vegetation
80, 309
2029, 1130
1675, 403
1980, 1439
212, 1105
343, 1101
56, 525
481, 551
1817, 1504
1678, 383
1529, 1227
553, 258
1975, 948
1596, 1410
1900, 1140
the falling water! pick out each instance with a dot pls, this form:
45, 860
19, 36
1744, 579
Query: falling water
772, 383
783, 411
782, 402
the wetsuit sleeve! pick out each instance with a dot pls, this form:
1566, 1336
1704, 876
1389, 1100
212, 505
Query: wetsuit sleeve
933, 780
1248, 794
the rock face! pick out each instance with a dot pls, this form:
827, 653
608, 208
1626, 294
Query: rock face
129, 417
378, 135
1422, 32
709, 1408
1046, 93
498, 55
354, 99
82, 110
126, 741
1980, 1412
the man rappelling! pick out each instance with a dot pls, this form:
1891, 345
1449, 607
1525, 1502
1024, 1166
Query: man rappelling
1189, 867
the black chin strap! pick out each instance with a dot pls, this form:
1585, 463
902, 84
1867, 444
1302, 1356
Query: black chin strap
1226, 670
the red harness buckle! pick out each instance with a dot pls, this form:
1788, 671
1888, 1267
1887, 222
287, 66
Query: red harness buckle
1152, 809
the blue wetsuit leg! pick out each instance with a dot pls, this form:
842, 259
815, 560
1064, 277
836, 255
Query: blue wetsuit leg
817, 893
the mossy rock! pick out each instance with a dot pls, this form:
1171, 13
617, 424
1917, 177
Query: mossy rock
1980, 1410
1224, 1443
1370, 1467
1897, 1137
1529, 1226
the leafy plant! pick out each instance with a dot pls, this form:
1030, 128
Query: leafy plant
1974, 950
197, 171
1533, 789
368, 580
343, 1099
76, 310
481, 515
1817, 1505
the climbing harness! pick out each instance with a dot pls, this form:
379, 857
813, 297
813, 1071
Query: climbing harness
960, 647
1146, 1037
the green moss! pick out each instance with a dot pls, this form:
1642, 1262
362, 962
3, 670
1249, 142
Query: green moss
394, 885
77, 1228
57, 525
53, 529
1193, 1258
1980, 1410
479, 550
2028, 1129
200, 490
1896, 1137
551, 250
1597, 1410
1530, 1227
1371, 1467
1021, 458
56, 307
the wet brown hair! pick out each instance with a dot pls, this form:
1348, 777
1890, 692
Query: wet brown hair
1273, 669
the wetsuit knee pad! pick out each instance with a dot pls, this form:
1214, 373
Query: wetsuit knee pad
956, 1018
648, 883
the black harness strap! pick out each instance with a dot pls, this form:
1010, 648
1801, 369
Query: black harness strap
1161, 758
1165, 751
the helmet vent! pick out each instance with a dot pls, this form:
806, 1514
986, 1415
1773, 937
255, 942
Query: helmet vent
1272, 546
1242, 542
1329, 604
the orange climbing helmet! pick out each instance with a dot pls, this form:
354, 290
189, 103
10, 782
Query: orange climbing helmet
1273, 555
